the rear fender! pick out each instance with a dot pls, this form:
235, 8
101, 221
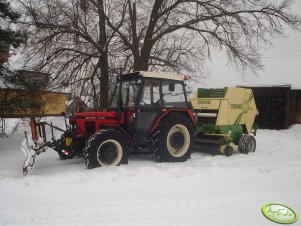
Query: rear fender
187, 112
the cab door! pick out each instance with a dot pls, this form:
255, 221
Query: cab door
149, 107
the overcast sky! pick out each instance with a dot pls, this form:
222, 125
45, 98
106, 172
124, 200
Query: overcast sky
282, 64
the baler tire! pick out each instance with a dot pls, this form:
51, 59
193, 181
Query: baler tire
251, 143
242, 145
174, 127
228, 151
95, 155
246, 144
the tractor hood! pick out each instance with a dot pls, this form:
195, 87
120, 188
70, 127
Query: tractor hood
96, 115
87, 123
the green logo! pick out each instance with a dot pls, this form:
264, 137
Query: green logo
204, 101
279, 213
236, 106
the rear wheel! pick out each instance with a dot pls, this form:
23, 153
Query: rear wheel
173, 139
106, 148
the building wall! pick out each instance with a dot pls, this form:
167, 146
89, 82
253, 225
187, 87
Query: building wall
295, 107
273, 104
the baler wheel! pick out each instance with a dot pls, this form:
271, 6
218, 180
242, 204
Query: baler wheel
251, 143
242, 144
228, 151
246, 144
108, 147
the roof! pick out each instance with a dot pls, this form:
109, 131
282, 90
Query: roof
164, 75
296, 88
41, 91
280, 85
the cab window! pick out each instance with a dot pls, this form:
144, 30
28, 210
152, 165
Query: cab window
173, 94
129, 92
150, 96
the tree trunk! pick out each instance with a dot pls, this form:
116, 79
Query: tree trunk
104, 83
141, 64
135, 47
104, 79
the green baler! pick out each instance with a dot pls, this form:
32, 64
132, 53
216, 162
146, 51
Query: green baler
225, 117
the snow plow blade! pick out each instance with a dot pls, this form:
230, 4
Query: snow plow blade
37, 143
31, 151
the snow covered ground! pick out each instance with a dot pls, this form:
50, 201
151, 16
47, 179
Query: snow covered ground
206, 190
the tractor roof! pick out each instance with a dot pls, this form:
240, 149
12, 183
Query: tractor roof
163, 75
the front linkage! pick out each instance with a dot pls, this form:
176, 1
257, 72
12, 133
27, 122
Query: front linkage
39, 143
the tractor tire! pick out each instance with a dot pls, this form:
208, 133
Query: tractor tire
173, 140
246, 144
108, 147
228, 151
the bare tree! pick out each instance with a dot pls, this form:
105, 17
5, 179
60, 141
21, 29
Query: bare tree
180, 34
81, 41
69, 39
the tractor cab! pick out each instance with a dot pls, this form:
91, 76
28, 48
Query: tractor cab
141, 97
149, 90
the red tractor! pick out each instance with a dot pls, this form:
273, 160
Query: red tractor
149, 111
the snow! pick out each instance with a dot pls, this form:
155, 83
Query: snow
206, 190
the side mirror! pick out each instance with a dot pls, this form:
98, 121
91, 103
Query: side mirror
171, 87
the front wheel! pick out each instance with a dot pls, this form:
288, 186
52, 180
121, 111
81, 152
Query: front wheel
173, 139
106, 148
61, 148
